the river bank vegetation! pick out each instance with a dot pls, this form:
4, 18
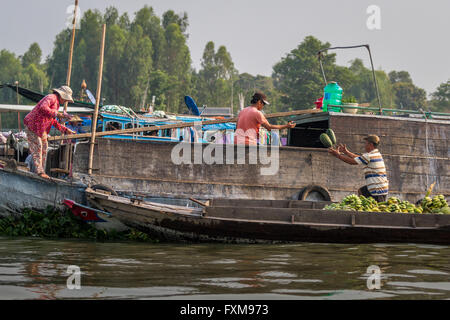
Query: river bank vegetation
148, 56
61, 225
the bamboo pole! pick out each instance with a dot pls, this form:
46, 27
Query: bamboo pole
177, 125
72, 41
97, 101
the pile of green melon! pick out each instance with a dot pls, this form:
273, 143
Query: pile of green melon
328, 139
435, 205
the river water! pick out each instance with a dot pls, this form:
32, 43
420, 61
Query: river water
37, 269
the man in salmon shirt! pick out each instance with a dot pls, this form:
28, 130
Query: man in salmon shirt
251, 119
39, 122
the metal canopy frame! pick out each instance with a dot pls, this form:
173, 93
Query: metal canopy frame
320, 56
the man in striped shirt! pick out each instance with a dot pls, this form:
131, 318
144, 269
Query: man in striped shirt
377, 184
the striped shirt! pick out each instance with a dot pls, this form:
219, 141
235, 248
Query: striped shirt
374, 172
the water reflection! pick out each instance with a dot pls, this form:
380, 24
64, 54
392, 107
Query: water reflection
36, 269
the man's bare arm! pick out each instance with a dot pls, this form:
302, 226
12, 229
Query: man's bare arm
347, 159
270, 127
343, 148
342, 157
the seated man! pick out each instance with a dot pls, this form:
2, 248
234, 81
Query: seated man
377, 184
75, 125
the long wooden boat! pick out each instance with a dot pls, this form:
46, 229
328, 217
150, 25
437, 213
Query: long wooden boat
20, 189
416, 152
99, 218
259, 221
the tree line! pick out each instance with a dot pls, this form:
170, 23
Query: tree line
148, 56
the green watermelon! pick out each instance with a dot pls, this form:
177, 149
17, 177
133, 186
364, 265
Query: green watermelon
332, 136
326, 141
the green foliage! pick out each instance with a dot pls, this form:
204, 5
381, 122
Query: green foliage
137, 57
10, 71
116, 39
134, 51
400, 76
214, 83
247, 85
363, 87
177, 64
441, 98
28, 71
348, 99
299, 78
55, 224
408, 96
151, 25
170, 17
32, 56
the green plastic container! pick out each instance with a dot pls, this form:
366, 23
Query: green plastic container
332, 96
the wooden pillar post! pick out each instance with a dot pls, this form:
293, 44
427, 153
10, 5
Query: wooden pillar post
97, 102
72, 41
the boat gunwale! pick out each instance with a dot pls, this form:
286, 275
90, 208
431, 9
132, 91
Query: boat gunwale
340, 213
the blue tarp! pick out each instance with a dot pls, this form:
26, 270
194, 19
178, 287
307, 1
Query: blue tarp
219, 126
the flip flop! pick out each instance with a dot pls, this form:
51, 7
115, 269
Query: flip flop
44, 176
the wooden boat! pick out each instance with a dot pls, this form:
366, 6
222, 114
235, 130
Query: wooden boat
416, 152
100, 219
21, 189
260, 221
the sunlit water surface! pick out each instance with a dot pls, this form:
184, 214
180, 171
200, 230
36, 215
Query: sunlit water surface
37, 269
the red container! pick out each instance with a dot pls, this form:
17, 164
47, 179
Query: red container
319, 103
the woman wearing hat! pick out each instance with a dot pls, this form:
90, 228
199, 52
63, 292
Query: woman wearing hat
39, 122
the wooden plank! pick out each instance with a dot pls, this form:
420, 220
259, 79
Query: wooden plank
173, 126
244, 203
314, 216
58, 170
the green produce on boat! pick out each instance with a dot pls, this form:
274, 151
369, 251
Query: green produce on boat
437, 205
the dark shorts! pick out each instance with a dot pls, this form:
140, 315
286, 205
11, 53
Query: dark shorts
365, 192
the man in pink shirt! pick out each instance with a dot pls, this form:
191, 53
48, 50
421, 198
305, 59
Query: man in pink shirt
39, 122
251, 119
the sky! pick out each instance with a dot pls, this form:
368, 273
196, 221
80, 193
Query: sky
413, 34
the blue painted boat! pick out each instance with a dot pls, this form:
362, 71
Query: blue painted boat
111, 121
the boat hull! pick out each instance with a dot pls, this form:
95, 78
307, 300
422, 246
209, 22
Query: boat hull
21, 190
100, 219
231, 224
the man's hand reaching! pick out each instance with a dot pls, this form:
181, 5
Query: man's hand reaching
343, 148
334, 152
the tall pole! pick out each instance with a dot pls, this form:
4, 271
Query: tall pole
18, 112
375, 81
69, 69
97, 101
232, 92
